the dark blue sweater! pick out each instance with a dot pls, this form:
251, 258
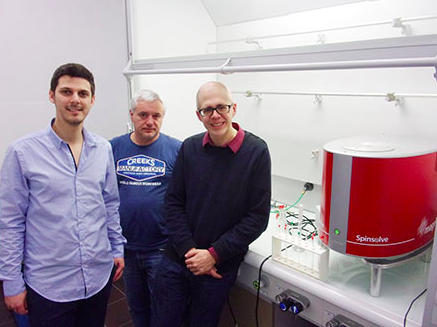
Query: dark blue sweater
218, 198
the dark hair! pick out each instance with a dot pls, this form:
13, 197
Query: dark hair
73, 70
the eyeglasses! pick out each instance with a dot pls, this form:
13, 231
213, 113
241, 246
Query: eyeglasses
221, 109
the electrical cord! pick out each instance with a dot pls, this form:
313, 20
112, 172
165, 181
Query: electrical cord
257, 291
259, 287
297, 201
307, 187
232, 313
411, 305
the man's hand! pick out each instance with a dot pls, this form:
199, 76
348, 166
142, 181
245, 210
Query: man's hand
119, 263
201, 262
17, 303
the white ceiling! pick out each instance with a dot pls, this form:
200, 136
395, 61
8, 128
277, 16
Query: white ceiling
225, 12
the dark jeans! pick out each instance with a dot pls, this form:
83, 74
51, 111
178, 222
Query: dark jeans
180, 297
139, 277
89, 312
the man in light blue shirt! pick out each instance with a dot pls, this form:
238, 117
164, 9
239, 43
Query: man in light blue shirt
60, 235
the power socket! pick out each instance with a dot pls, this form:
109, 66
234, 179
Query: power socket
308, 186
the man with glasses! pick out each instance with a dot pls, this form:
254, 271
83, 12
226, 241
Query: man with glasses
217, 203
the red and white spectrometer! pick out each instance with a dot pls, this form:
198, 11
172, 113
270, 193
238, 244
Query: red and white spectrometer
379, 195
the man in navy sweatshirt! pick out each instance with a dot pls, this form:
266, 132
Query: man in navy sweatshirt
217, 203
144, 162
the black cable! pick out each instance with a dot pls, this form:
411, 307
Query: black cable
308, 228
258, 288
259, 284
411, 305
232, 312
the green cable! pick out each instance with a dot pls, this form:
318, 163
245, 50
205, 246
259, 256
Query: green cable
297, 201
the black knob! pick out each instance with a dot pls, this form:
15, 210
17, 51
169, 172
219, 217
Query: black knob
286, 304
297, 308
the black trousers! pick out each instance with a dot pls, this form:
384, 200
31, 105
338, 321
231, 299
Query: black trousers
89, 312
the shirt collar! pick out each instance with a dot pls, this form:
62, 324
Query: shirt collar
88, 139
235, 143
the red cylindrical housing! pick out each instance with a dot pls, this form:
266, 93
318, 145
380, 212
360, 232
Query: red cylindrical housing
379, 195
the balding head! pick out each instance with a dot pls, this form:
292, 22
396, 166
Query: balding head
216, 110
211, 89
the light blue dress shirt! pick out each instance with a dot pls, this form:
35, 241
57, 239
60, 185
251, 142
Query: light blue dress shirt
62, 223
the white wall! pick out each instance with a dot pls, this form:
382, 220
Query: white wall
170, 28
173, 28
321, 20
294, 126
36, 38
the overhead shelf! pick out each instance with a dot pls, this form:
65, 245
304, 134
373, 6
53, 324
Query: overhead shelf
412, 51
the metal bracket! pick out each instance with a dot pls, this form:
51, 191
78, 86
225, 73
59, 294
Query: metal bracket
314, 154
392, 97
435, 74
405, 28
321, 38
317, 99
249, 94
224, 65
250, 40
129, 127
127, 68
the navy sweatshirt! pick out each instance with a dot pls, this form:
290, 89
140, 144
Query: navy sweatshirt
143, 173
218, 198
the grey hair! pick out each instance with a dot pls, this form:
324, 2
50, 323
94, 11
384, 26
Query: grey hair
145, 95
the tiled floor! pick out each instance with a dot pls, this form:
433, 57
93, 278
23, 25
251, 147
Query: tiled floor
117, 315
118, 311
